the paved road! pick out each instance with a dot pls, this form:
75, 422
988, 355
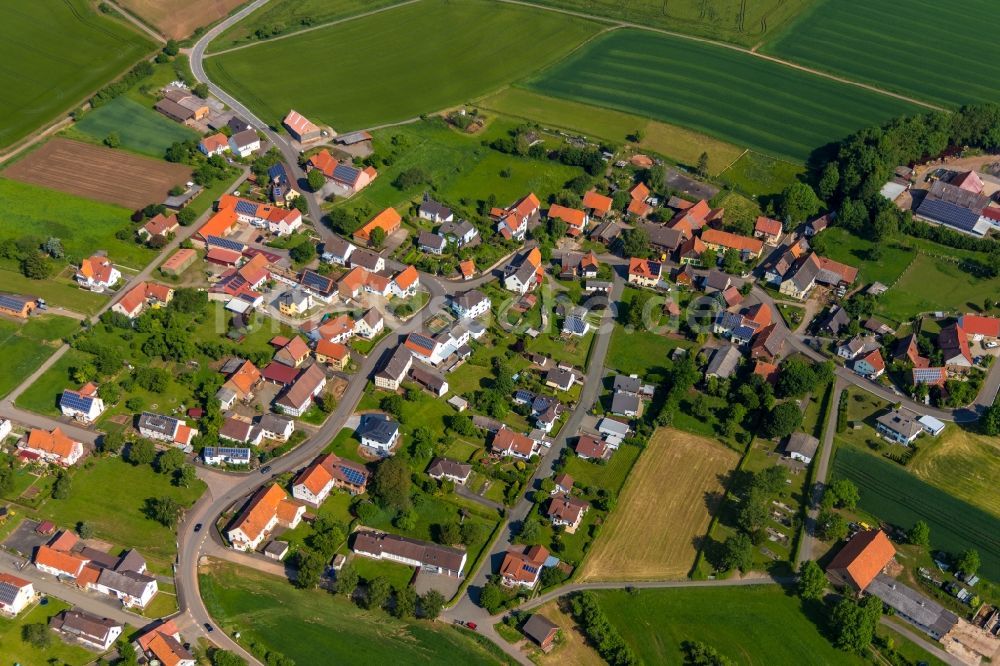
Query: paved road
808, 549
921, 640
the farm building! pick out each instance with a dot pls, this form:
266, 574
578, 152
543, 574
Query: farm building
430, 557
861, 560
301, 128
17, 306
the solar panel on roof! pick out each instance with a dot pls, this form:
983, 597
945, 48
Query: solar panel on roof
950, 214
218, 241
276, 171
353, 475
316, 281
246, 207
530, 569
345, 173
71, 400
8, 593
11, 302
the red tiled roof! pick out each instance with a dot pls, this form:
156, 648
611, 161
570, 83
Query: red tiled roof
864, 557
407, 277
219, 224
874, 359
333, 350
526, 206
508, 440
571, 216
599, 203
766, 225
639, 192
759, 313
468, 267
591, 447
642, 267
388, 220
731, 240
214, 142
324, 161
55, 442
979, 325
847, 273
279, 373
299, 123
70, 564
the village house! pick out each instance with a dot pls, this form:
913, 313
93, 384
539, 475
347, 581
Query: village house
159, 225
240, 431
294, 302
226, 455
467, 269
575, 323
721, 241
17, 306
566, 511
98, 633
242, 378
509, 443
214, 145
392, 373
388, 221
954, 346
644, 272
576, 220
15, 594
315, 483
428, 557
768, 343
334, 354
269, 508
512, 222
50, 447
338, 251
290, 351
899, 426
434, 212
539, 629
577, 265
275, 427
431, 243
370, 324
459, 233
597, 205
97, 273
245, 143
816, 226
802, 447
136, 299
406, 282
298, 397
82, 405
378, 433
767, 229
871, 365
863, 557
522, 274
166, 429
163, 644
810, 270
449, 470
522, 566
724, 362
429, 379
560, 379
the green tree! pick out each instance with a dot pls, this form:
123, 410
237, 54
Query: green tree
431, 604
406, 602
753, 511
35, 265
830, 525
309, 567
799, 202
85, 530
697, 653
990, 421
635, 243
391, 483
347, 580
316, 180
225, 658
448, 534
812, 581
113, 140
703, 164
737, 553
492, 598
185, 476
141, 452
785, 419
201, 90
164, 510
36, 635
854, 623
303, 252
170, 461
844, 494
968, 562
61, 488
919, 534
829, 181
473, 532
377, 592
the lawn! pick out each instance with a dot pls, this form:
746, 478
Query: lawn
676, 143
610, 475
639, 352
843, 246
931, 284
561, 350
309, 626
963, 463
110, 494
862, 40
726, 20
682, 475
758, 175
140, 128
891, 494
83, 225
756, 625
386, 69
26, 346
16, 651
59, 290
47, 76
42, 396
762, 105
399, 575
284, 16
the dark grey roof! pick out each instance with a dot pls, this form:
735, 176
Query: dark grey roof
624, 403
337, 246
444, 466
836, 320
377, 427
127, 582
627, 384
273, 423
165, 425
427, 376
469, 299
364, 258
396, 365
559, 377
724, 361
538, 628
803, 444
457, 228
900, 422
717, 280
83, 624
245, 138
431, 240
435, 209
923, 611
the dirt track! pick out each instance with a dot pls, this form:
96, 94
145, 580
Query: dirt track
664, 509
95, 172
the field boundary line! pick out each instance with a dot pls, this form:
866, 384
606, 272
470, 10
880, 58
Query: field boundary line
138, 22
311, 28
730, 165
733, 47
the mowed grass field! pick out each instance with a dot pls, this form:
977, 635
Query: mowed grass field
26, 345
84, 226
735, 21
281, 16
676, 143
397, 64
179, 18
141, 129
913, 49
54, 54
309, 626
663, 511
930, 284
18, 651
890, 493
963, 463
726, 93
105, 174
760, 625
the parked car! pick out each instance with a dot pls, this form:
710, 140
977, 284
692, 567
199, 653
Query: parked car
265, 469
197, 528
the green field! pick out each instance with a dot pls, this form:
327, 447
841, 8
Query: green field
913, 49
735, 21
16, 651
140, 128
756, 174
284, 16
841, 245
84, 226
43, 395
309, 626
26, 346
57, 53
61, 291
397, 64
676, 143
639, 352
759, 625
932, 284
891, 494
722, 92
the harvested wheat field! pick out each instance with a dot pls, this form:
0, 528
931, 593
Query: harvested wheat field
965, 464
664, 509
179, 18
95, 172
574, 649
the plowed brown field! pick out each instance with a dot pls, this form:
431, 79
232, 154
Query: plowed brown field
179, 18
95, 172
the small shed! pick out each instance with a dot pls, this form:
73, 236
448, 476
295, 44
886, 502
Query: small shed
931, 425
541, 630
458, 402
276, 550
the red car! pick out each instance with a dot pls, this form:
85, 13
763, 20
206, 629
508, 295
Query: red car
471, 625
